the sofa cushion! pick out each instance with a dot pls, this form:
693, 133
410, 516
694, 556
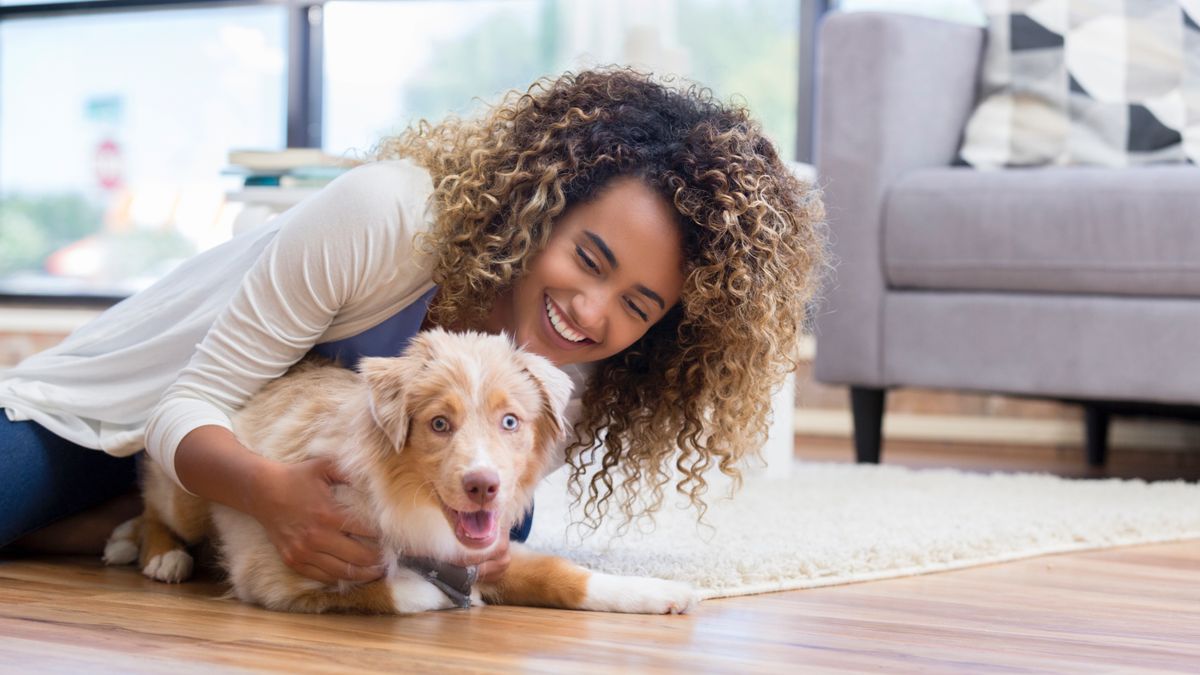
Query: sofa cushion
1088, 82
1057, 230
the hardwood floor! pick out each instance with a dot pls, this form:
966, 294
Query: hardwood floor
1121, 610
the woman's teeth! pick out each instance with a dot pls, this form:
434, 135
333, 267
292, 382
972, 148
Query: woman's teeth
560, 326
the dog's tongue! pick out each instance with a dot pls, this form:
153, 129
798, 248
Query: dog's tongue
478, 524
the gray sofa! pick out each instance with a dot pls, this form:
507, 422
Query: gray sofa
1079, 284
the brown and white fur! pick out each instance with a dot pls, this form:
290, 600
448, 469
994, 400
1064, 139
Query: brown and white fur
433, 491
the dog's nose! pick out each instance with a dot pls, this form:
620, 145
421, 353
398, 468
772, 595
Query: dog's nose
481, 485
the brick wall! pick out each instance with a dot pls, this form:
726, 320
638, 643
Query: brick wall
811, 394
28, 329
15, 346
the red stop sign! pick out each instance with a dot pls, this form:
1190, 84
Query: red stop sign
108, 164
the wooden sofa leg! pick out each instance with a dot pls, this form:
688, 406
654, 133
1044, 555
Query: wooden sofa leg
866, 405
1095, 419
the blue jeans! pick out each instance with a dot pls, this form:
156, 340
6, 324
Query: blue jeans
44, 478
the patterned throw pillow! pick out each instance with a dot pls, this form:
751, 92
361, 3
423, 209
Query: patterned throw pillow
1088, 82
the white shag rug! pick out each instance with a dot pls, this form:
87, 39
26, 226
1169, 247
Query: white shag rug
829, 524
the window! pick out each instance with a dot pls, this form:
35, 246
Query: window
114, 129
388, 64
115, 126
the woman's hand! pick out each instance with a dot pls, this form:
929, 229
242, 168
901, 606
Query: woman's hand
314, 535
493, 564
294, 502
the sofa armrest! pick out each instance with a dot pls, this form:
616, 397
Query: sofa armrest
893, 94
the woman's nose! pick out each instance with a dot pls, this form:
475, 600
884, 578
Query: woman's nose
588, 309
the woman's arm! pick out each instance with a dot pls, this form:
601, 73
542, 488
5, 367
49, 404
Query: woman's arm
293, 502
347, 243
351, 240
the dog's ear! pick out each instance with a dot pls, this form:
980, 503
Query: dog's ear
387, 381
554, 386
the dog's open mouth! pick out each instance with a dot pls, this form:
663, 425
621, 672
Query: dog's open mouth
476, 529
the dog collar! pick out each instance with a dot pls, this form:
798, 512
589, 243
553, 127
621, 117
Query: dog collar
452, 580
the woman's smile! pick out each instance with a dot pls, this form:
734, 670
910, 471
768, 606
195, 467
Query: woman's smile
559, 326
612, 267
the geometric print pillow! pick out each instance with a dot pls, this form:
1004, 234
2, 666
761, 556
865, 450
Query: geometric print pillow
1088, 82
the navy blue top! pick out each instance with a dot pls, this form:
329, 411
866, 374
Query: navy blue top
389, 338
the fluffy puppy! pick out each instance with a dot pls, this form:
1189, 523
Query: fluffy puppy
443, 448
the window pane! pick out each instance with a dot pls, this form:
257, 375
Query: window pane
750, 50
388, 64
114, 129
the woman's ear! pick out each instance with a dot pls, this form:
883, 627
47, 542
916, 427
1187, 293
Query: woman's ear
554, 386
387, 381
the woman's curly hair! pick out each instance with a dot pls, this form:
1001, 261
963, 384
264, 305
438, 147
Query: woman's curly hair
695, 390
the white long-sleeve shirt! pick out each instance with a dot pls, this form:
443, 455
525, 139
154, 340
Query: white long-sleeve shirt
190, 350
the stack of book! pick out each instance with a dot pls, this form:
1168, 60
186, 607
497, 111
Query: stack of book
288, 168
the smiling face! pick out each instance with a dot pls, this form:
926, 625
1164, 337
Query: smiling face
611, 269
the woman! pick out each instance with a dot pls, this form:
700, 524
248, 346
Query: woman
645, 238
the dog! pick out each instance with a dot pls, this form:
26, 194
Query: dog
442, 446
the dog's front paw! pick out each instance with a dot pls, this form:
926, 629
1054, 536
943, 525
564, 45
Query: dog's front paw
638, 595
172, 567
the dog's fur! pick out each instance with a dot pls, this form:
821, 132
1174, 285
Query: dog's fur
405, 477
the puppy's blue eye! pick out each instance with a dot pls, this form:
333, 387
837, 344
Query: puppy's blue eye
510, 422
440, 424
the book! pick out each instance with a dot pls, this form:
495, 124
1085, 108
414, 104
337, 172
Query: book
255, 180
266, 161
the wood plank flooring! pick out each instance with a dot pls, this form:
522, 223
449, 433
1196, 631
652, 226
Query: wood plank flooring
1122, 610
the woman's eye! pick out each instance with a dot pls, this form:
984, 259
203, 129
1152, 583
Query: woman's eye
440, 424
587, 259
510, 422
635, 309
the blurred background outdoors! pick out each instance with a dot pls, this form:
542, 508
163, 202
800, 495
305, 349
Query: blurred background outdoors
115, 126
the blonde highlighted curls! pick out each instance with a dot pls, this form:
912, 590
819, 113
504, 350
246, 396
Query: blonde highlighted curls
694, 393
